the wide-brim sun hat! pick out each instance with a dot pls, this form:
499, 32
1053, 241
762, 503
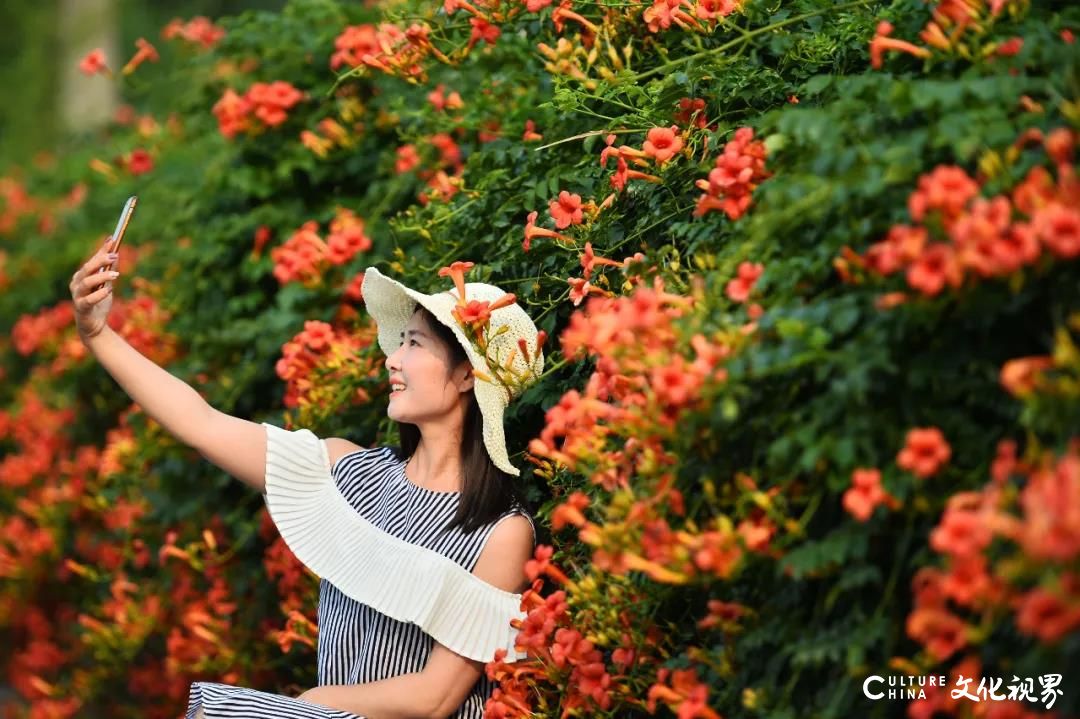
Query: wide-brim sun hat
391, 304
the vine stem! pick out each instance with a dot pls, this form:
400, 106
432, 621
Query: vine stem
745, 37
589, 134
611, 100
438, 220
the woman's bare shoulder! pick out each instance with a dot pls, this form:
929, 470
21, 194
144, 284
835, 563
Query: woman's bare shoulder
338, 447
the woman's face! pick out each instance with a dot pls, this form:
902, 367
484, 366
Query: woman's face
420, 362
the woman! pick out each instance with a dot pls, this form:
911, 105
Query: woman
420, 549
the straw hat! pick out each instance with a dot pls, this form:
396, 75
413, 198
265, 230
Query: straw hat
391, 304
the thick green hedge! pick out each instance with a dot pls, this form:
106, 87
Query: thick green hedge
808, 274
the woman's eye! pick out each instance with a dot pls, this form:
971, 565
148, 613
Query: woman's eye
412, 341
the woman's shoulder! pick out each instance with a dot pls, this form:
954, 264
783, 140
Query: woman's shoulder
517, 507
338, 449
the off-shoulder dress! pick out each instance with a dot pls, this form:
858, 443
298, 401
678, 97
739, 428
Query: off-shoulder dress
391, 582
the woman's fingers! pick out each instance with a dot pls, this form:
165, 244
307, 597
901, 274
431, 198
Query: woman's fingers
82, 303
88, 275
99, 261
94, 279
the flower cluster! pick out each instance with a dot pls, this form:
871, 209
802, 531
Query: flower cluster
984, 237
16, 204
1041, 536
634, 336
386, 47
407, 159
51, 332
32, 332
683, 693
199, 30
305, 256
442, 175
316, 361
544, 617
924, 453
94, 62
299, 257
739, 169
441, 101
590, 53
641, 386
57, 482
299, 628
353, 44
565, 649
333, 136
661, 144
956, 28
688, 14
268, 103
296, 585
582, 287
691, 113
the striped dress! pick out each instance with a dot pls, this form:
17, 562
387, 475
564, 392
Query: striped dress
391, 582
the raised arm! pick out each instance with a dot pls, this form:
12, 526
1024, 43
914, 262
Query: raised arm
236, 445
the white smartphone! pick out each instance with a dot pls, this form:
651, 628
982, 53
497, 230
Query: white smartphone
121, 226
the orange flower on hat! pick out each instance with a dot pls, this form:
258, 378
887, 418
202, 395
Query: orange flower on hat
474, 319
456, 271
476, 314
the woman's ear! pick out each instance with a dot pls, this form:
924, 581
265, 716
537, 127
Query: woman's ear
469, 380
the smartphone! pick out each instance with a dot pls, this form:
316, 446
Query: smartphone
121, 226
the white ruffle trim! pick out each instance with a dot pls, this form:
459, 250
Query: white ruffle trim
404, 581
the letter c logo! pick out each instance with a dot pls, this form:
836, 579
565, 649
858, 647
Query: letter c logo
866, 687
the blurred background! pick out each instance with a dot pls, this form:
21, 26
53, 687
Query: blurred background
41, 43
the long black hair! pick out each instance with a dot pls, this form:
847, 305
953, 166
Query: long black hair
487, 492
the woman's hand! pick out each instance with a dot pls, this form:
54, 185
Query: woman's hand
92, 292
